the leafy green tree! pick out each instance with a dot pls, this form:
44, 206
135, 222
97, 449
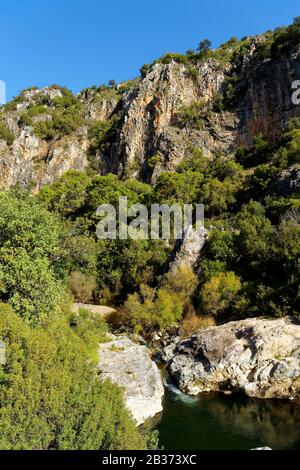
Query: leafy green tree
204, 47
181, 281
66, 195
222, 245
255, 231
178, 188
162, 308
31, 258
219, 196
211, 268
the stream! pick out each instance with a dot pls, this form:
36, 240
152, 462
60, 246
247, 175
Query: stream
220, 422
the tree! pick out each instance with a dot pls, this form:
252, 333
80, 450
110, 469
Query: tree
144, 70
222, 245
255, 231
181, 281
112, 83
66, 195
296, 21
178, 188
218, 196
31, 258
219, 292
50, 397
204, 47
152, 310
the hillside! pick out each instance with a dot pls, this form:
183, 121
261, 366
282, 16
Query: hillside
217, 127
214, 100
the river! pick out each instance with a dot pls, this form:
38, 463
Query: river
217, 422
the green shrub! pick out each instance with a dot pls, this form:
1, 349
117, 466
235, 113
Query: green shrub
195, 162
49, 394
68, 194
218, 103
191, 116
218, 293
6, 134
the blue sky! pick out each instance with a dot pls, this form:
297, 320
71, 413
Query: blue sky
78, 43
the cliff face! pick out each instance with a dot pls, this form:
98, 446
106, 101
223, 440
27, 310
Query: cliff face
31, 160
149, 128
267, 105
157, 120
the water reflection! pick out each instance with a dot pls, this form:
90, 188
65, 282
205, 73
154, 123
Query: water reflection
217, 421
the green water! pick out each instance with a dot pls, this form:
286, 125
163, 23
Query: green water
217, 422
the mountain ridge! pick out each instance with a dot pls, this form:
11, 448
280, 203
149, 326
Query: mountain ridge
210, 101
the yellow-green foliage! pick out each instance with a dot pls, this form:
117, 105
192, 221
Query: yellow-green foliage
165, 307
193, 322
219, 292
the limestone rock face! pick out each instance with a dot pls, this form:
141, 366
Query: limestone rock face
187, 250
266, 99
146, 137
96, 108
129, 365
32, 160
149, 111
259, 357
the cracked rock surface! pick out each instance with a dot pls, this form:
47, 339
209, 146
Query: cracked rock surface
257, 356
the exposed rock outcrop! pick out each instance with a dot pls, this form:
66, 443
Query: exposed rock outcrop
287, 183
101, 310
266, 97
147, 137
187, 250
98, 108
129, 365
149, 110
32, 160
259, 357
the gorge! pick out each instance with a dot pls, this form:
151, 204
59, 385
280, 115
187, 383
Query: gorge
213, 126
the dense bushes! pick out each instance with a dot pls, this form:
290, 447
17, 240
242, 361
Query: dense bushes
163, 307
219, 293
49, 396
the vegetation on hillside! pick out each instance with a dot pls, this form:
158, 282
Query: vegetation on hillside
50, 394
250, 265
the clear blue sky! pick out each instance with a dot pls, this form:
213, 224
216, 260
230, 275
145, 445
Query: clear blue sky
78, 43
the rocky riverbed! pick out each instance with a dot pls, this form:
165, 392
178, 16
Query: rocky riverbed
256, 356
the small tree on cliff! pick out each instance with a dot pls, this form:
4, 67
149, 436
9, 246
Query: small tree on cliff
204, 47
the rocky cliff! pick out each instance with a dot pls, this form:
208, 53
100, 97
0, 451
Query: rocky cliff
151, 124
